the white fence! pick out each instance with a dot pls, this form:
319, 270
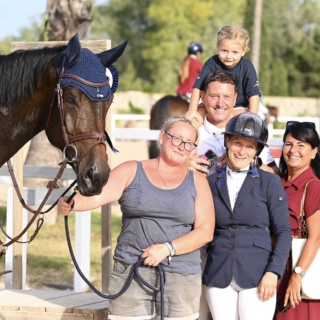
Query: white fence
33, 197
273, 132
147, 134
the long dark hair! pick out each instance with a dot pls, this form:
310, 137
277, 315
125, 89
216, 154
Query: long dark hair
21, 73
306, 135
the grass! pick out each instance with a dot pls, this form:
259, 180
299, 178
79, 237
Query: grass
48, 258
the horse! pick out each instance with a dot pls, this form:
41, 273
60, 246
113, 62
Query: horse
163, 109
74, 121
273, 111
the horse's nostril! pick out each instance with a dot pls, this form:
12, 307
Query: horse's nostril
89, 174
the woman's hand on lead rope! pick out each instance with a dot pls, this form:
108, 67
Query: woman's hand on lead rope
293, 290
63, 207
267, 286
155, 254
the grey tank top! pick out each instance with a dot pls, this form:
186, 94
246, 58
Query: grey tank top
152, 215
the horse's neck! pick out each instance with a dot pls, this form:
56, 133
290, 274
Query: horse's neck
21, 122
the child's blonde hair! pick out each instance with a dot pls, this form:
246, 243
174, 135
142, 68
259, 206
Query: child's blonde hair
233, 32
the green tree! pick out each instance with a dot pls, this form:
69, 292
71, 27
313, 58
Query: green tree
159, 32
175, 24
30, 33
121, 20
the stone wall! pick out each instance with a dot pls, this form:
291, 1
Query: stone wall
139, 99
295, 107
288, 106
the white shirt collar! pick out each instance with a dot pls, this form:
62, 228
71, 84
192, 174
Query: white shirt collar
237, 175
210, 128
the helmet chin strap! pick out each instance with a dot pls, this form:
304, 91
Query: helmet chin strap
238, 170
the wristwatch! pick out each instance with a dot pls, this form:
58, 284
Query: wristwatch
298, 270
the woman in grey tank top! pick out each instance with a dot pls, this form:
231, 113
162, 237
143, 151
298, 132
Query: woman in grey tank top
168, 214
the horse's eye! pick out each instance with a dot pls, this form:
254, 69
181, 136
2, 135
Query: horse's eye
70, 99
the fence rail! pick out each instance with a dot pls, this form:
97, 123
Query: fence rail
273, 132
34, 197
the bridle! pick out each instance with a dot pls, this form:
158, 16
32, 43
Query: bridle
68, 139
101, 137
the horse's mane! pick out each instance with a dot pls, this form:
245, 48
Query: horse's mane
21, 71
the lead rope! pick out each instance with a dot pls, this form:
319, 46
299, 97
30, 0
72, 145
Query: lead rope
135, 271
40, 220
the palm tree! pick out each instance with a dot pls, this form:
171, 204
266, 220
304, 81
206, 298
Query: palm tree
68, 17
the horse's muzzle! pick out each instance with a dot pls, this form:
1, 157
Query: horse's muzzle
92, 180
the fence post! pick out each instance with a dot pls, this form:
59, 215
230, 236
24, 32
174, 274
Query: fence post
9, 227
9, 254
17, 162
82, 249
106, 238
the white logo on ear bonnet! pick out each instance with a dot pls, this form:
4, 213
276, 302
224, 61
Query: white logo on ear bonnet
109, 75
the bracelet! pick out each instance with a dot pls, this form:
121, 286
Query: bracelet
171, 251
172, 246
72, 206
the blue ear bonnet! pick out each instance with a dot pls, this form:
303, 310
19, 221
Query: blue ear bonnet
91, 69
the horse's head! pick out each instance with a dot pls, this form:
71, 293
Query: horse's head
86, 97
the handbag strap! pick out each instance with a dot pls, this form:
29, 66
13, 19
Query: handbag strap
302, 227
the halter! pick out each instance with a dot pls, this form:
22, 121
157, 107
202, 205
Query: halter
70, 139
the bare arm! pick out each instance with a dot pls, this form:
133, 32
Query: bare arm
199, 236
119, 179
254, 104
273, 169
308, 254
205, 219
192, 114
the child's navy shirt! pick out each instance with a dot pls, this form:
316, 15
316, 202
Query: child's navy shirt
243, 73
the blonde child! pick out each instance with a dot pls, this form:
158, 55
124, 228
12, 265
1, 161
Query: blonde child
232, 44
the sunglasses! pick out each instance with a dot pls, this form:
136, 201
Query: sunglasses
309, 125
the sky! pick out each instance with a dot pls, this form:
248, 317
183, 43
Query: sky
15, 14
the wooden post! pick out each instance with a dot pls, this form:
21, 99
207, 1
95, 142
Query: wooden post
17, 216
17, 162
106, 236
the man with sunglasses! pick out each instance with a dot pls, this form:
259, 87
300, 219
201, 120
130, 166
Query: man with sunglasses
219, 97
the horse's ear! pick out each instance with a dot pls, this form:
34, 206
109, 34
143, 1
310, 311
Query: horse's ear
109, 57
73, 52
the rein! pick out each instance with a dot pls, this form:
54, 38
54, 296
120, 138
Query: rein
162, 273
101, 138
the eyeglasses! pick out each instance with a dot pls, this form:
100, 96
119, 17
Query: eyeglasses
309, 125
176, 141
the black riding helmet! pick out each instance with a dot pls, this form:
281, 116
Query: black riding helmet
249, 126
194, 47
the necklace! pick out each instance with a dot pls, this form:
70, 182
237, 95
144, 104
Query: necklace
165, 183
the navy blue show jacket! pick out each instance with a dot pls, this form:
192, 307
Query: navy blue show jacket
242, 243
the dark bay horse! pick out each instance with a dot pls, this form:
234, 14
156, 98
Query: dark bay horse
163, 109
28, 79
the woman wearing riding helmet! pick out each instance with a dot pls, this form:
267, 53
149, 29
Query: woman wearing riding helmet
242, 269
190, 68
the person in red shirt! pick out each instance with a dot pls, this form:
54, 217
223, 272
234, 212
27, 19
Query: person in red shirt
190, 68
300, 163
